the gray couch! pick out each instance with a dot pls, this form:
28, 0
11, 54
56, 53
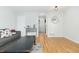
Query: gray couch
6, 40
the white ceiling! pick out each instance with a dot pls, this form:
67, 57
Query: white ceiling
29, 8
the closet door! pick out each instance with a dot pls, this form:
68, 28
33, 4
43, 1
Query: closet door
21, 23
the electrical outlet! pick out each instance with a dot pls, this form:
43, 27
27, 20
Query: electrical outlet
52, 33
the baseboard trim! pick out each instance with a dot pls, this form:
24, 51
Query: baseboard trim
71, 39
64, 37
55, 36
67, 38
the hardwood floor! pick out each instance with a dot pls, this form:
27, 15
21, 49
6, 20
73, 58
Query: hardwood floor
57, 44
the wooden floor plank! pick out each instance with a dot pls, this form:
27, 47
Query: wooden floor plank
57, 44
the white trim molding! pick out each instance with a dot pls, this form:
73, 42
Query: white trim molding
71, 39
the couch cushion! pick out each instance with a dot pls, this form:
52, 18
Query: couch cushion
4, 41
10, 38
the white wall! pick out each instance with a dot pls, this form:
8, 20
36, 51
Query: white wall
54, 30
71, 24
7, 18
27, 18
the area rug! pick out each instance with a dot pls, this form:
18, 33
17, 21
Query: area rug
37, 48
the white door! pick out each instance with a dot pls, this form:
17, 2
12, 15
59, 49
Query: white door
21, 25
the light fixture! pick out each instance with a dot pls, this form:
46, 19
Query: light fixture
55, 8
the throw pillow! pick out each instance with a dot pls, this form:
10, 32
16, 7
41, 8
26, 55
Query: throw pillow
13, 31
2, 34
8, 33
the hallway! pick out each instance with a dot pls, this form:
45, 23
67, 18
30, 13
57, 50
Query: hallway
57, 44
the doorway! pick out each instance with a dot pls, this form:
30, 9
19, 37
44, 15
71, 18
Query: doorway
42, 24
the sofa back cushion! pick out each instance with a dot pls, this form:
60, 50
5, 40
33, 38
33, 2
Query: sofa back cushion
5, 33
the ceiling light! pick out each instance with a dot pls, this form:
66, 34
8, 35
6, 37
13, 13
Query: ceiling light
55, 8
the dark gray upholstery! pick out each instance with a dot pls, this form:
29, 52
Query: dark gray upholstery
24, 44
3, 41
